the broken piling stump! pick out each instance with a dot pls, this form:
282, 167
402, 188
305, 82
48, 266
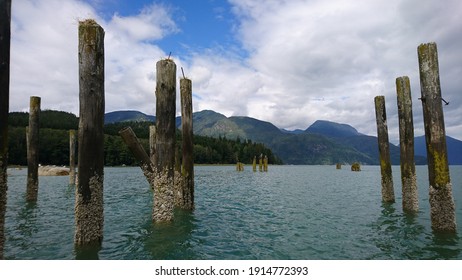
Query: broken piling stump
135, 147
356, 167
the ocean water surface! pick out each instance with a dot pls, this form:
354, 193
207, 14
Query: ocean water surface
289, 212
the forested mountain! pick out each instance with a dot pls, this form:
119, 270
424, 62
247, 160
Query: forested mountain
54, 142
301, 147
221, 139
127, 116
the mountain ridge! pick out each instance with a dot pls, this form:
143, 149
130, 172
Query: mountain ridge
323, 142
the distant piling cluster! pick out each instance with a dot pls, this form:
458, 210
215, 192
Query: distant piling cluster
262, 164
442, 208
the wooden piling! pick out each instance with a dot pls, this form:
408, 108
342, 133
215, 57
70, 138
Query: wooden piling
72, 145
165, 140
406, 143
5, 39
388, 194
265, 164
152, 144
187, 198
135, 147
239, 166
254, 164
33, 149
442, 208
89, 214
356, 167
260, 163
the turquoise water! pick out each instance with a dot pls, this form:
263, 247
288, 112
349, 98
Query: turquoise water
290, 212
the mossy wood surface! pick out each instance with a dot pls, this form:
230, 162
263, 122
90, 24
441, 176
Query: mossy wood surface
187, 144
406, 143
442, 205
33, 149
165, 141
89, 218
388, 194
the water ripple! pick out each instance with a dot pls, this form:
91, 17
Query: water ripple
290, 212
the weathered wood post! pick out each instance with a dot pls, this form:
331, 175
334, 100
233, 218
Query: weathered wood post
152, 144
265, 164
406, 145
388, 194
254, 164
442, 208
33, 149
89, 214
135, 147
72, 145
5, 39
165, 141
260, 163
187, 145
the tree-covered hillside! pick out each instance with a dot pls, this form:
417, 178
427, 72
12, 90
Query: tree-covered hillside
54, 142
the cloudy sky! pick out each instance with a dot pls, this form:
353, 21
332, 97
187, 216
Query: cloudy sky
289, 62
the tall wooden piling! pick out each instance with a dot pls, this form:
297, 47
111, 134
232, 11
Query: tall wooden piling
406, 145
89, 218
187, 199
33, 149
72, 145
135, 147
388, 194
5, 39
442, 208
254, 164
165, 140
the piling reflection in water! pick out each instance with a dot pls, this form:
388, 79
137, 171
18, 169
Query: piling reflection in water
170, 241
399, 235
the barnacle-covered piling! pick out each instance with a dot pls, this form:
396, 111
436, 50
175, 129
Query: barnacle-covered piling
165, 141
89, 214
442, 208
406, 145
388, 194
